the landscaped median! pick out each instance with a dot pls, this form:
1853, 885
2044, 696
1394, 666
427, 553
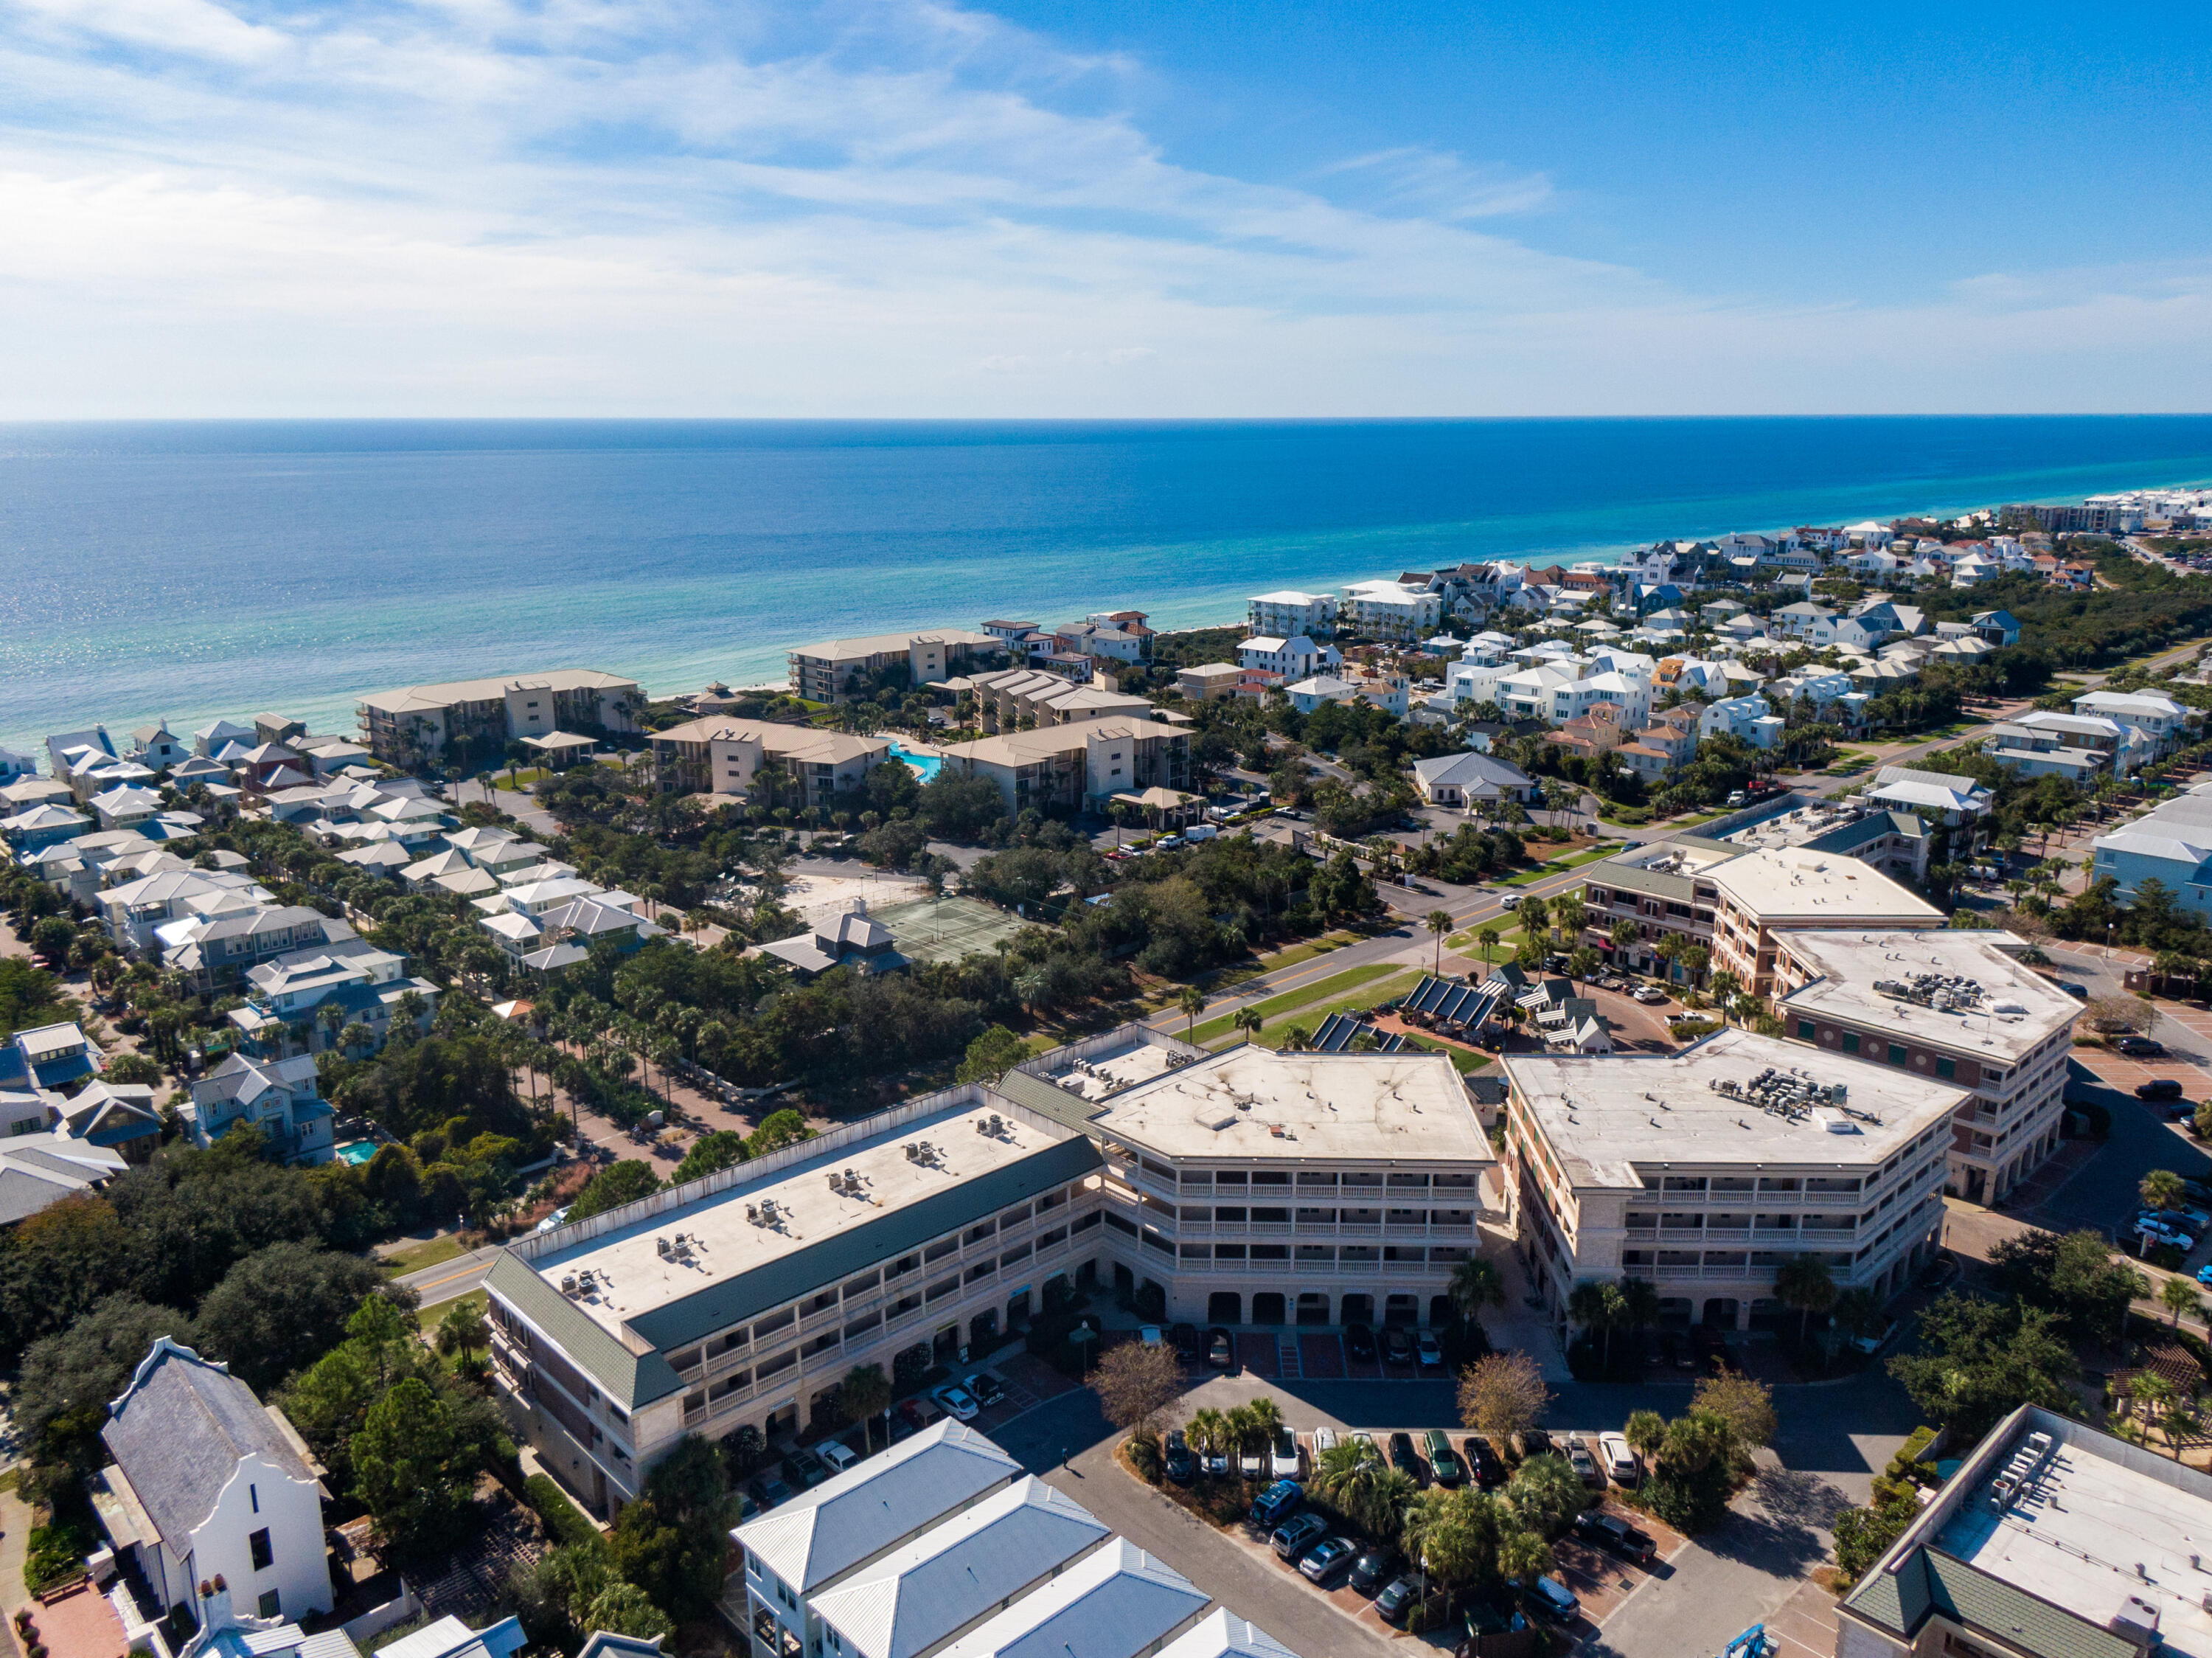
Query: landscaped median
1327, 988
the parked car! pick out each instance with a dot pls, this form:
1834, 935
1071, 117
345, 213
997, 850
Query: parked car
1284, 1464
1397, 1346
959, 1404
2158, 1087
988, 1388
1360, 1342
1277, 1503
2182, 1111
2079, 992
1325, 1559
1401, 1454
1429, 1351
1182, 1467
552, 1223
1184, 1338
769, 1491
1371, 1571
804, 1469
1398, 1598
1442, 1463
1650, 996
1675, 1349
1220, 1351
1152, 1336
2188, 1215
1324, 1439
1549, 1598
1361, 1436
917, 1414
836, 1455
1585, 1465
2204, 1274
2141, 1047
1621, 1461
1534, 1441
1297, 1534
2164, 1232
1488, 1467
1252, 1461
1872, 1344
1612, 1532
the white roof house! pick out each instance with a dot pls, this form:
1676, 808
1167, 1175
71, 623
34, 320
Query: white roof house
1222, 1634
1117, 1603
1959, 799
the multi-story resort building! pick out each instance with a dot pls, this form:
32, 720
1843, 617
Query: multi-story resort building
1705, 1171
943, 1545
1290, 614
1952, 1007
1291, 1187
1764, 894
1011, 697
419, 722
2172, 845
829, 672
718, 755
2052, 1541
1083, 764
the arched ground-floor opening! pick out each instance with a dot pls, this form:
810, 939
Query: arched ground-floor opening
1267, 1307
1766, 1313
1017, 1310
1125, 1281
1400, 1311
945, 1345
983, 1329
1441, 1311
1676, 1312
1313, 1306
1355, 1309
1224, 1307
1720, 1313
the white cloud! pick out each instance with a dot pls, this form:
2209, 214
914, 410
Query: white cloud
665, 206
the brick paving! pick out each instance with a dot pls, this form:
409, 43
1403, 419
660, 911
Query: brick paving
1258, 1355
80, 1624
1321, 1357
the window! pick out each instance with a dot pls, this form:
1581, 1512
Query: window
272, 1604
253, 1496
264, 1555
1850, 1041
1896, 1054
1947, 1068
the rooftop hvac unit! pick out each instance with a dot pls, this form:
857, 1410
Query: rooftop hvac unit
982, 1127
851, 1179
913, 1152
752, 1213
997, 1126
661, 1245
836, 1181
568, 1284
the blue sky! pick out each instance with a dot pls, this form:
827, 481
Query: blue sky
221, 207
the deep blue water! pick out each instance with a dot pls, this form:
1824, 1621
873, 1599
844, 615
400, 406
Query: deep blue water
194, 570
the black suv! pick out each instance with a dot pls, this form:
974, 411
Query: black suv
1181, 1465
1360, 1342
1371, 1571
1402, 1455
804, 1469
1488, 1470
1611, 1532
2158, 1087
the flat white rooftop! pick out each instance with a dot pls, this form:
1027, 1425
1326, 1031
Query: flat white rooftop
1607, 1115
1995, 1008
722, 1239
2077, 1532
1797, 883
1104, 1074
1250, 1103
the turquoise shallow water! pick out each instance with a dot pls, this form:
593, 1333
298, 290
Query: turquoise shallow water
206, 569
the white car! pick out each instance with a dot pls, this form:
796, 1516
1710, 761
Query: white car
552, 1223
1324, 1439
1285, 1463
956, 1401
2163, 1231
1150, 1335
1430, 1350
1510, 901
1252, 1464
837, 1455
1619, 1459
1648, 996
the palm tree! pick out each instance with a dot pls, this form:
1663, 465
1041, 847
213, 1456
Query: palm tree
2161, 1189
1475, 1283
1439, 921
1488, 938
1805, 1283
1582, 963
1266, 1417
1248, 1020
1639, 1303
2156, 1395
1523, 1556
1244, 1428
1596, 1307
866, 1393
1535, 918
1646, 1432
1192, 1001
1209, 1431
1857, 1312
463, 1330
1296, 1039
2180, 1296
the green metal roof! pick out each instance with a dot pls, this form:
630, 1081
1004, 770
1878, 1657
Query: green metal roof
1048, 1099
629, 1379
1928, 1580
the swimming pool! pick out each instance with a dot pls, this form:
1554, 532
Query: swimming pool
925, 766
357, 1151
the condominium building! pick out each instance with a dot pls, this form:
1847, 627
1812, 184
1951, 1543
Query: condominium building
1766, 893
2166, 723
1952, 1006
1286, 1188
1210, 682
1077, 766
1289, 614
1662, 889
422, 724
1390, 610
1706, 1170
2172, 845
830, 671
718, 755
2052, 1541
1293, 656
1014, 697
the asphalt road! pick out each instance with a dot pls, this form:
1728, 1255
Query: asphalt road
450, 1280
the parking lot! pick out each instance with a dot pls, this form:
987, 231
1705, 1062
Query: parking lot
1601, 1580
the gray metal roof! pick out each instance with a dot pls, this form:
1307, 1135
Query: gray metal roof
857, 1248
1048, 1099
1928, 1581
959, 1570
179, 1431
629, 1379
1114, 1604
848, 1520
1222, 1634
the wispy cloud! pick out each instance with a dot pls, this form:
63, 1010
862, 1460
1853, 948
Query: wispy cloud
459, 206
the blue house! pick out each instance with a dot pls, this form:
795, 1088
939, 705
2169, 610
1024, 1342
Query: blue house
1997, 627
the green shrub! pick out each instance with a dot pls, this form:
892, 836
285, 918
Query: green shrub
58, 1549
1144, 1457
565, 1522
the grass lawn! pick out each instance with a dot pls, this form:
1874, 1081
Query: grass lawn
1509, 940
416, 1256
535, 774
1310, 1017
1463, 1061
1335, 985
1556, 866
430, 1317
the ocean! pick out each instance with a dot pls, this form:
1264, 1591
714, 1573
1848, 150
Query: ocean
196, 570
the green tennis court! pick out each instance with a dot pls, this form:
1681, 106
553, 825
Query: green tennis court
945, 930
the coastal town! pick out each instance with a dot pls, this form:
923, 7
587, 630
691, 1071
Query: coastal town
1653, 1106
